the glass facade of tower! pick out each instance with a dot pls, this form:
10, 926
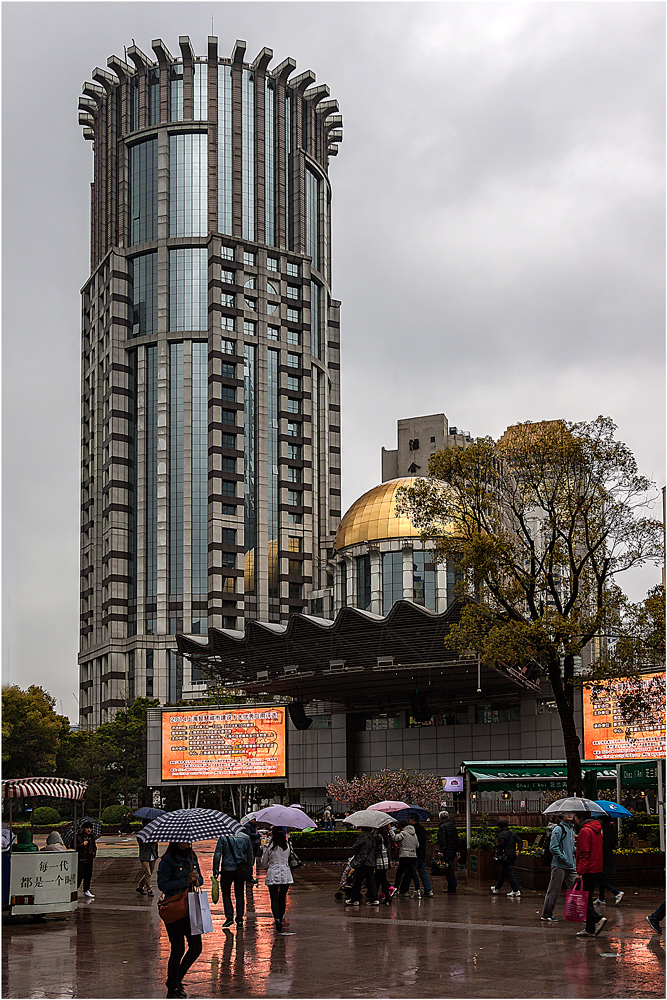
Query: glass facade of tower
210, 420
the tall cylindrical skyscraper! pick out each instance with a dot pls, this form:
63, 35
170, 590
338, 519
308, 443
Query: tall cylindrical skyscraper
210, 360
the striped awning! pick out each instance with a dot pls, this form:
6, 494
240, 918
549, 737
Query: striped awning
57, 788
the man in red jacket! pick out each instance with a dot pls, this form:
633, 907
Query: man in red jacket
589, 866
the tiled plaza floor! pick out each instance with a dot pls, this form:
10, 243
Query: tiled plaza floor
473, 944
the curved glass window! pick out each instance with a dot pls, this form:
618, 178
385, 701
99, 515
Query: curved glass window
248, 154
151, 471
392, 580
249, 445
188, 190
176, 93
176, 470
200, 92
270, 163
364, 582
143, 191
313, 217
315, 319
273, 361
424, 579
143, 274
153, 97
134, 103
188, 289
200, 469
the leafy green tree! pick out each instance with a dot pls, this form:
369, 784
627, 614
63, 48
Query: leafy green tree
31, 732
541, 524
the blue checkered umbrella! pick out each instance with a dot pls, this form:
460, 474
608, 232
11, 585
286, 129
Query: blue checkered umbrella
148, 812
185, 826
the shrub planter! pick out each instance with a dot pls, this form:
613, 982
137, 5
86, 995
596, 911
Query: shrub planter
324, 853
639, 869
481, 868
531, 872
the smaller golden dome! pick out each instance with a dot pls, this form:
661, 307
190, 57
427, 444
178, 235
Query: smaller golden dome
373, 518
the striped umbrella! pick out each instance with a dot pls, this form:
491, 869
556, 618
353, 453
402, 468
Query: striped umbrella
57, 788
185, 826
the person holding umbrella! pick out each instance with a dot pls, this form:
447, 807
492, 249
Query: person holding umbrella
86, 848
148, 855
561, 845
363, 866
179, 870
275, 858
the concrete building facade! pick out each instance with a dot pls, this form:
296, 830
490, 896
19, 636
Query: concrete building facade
210, 360
418, 438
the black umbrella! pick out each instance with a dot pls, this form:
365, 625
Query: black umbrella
148, 812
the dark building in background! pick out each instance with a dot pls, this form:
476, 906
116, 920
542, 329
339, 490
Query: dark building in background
210, 360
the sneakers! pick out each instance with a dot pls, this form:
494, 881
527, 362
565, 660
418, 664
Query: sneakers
150, 893
654, 925
600, 902
352, 902
141, 890
279, 924
372, 902
89, 894
228, 923
494, 890
550, 920
515, 894
600, 924
416, 894
619, 897
585, 933
430, 893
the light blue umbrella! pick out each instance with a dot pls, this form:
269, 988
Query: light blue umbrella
613, 808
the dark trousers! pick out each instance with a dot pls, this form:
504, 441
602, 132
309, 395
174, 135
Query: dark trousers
180, 960
85, 874
227, 880
364, 874
659, 913
507, 872
381, 881
423, 874
278, 895
450, 872
605, 884
406, 873
588, 885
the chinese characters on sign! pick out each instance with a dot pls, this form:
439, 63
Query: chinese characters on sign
237, 744
608, 737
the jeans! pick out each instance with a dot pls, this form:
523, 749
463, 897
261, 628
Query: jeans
180, 960
556, 879
278, 896
364, 874
659, 914
406, 873
227, 880
85, 874
588, 885
604, 884
146, 872
423, 874
507, 872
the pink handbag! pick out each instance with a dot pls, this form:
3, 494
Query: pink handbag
576, 904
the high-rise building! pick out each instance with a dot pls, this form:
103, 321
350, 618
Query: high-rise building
418, 439
210, 360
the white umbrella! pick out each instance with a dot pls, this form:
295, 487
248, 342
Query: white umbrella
294, 819
247, 818
574, 804
369, 817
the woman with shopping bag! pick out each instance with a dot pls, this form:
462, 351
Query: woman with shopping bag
177, 877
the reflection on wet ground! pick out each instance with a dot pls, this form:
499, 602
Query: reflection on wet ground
473, 945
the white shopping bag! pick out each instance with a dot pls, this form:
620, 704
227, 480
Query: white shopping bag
200, 913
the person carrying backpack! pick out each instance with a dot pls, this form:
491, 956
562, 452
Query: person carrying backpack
561, 851
507, 843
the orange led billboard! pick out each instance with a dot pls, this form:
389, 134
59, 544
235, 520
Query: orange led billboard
224, 744
606, 734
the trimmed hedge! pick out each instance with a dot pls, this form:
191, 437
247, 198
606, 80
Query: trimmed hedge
113, 814
44, 815
324, 838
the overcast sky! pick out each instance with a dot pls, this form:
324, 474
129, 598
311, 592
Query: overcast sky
498, 241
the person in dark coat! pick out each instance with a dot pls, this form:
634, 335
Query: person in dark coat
363, 864
86, 848
179, 870
507, 843
421, 854
589, 862
448, 846
609, 844
148, 855
251, 830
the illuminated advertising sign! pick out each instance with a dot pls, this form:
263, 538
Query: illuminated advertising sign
453, 784
608, 737
224, 744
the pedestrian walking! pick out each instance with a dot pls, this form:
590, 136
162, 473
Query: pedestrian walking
655, 919
421, 855
148, 855
507, 842
589, 863
233, 861
363, 865
328, 818
256, 841
609, 844
382, 864
407, 841
561, 846
86, 848
54, 842
275, 858
179, 870
448, 846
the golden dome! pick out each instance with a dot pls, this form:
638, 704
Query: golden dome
372, 517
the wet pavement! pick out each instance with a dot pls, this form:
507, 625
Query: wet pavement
473, 944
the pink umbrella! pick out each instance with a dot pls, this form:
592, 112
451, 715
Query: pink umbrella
388, 806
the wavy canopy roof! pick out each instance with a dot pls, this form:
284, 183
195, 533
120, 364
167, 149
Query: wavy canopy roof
359, 659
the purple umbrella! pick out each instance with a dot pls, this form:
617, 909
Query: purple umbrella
294, 819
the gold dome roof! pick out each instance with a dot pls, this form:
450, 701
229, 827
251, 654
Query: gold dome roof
372, 517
